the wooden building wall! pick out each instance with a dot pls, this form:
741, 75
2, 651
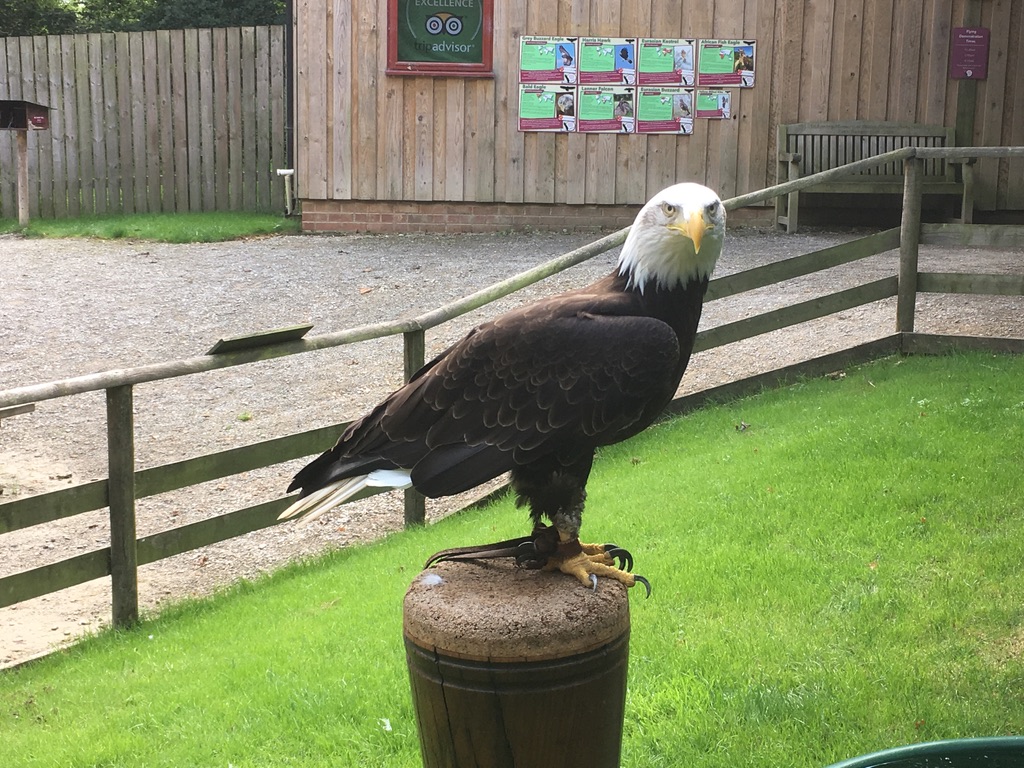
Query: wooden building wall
363, 135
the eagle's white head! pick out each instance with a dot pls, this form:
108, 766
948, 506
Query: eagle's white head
676, 237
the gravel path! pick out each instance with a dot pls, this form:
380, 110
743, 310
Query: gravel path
69, 307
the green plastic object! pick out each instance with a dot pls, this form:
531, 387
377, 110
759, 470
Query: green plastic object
1002, 752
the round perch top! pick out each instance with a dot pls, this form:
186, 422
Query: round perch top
495, 611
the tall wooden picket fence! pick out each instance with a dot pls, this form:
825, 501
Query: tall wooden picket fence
161, 121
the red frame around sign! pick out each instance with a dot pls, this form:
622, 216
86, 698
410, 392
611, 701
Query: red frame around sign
440, 68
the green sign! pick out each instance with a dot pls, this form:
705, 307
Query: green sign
442, 31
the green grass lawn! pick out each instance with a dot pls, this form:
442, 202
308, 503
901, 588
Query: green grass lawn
836, 570
163, 227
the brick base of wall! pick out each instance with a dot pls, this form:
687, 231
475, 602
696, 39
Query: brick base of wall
453, 217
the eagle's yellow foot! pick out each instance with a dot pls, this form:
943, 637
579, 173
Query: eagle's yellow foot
588, 561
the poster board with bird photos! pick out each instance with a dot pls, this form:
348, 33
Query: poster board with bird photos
664, 109
726, 63
607, 61
666, 61
547, 60
629, 85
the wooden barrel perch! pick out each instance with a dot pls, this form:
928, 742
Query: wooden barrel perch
511, 667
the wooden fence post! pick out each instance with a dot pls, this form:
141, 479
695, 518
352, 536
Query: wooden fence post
21, 138
414, 346
910, 238
124, 574
516, 667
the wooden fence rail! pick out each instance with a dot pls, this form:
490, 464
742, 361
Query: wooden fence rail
147, 122
124, 485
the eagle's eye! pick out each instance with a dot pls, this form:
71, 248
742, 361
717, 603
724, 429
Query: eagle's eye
712, 207
669, 209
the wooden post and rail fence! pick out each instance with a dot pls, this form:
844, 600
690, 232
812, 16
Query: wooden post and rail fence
124, 484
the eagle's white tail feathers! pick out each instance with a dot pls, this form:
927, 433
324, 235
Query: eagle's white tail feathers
330, 496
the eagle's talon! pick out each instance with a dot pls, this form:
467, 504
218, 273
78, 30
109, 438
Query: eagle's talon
528, 557
593, 581
645, 582
623, 557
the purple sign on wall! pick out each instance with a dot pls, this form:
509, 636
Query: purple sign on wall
968, 53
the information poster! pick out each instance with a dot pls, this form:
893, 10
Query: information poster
664, 109
546, 107
605, 109
968, 53
607, 60
663, 61
726, 63
714, 104
547, 60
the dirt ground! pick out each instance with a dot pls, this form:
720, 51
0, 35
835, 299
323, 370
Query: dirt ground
69, 307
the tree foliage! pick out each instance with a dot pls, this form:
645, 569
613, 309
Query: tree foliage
52, 17
36, 17
180, 14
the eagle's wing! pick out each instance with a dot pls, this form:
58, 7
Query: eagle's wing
544, 381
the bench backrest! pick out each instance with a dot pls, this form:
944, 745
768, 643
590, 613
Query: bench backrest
822, 146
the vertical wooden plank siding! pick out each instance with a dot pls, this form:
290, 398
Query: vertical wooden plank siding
759, 23
25, 62
137, 90
817, 59
247, 153
991, 96
234, 133
125, 110
539, 148
312, 37
274, 141
165, 121
509, 143
367, 81
69, 103
52, 95
96, 127
631, 156
723, 135
221, 121
109, 121
8, 162
134, 116
666, 21
179, 120
341, 115
937, 19
151, 122
42, 147
1012, 178
261, 159
178, 99
605, 17
576, 144
207, 162
692, 151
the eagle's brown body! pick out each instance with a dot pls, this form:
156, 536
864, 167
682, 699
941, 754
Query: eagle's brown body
537, 390
533, 392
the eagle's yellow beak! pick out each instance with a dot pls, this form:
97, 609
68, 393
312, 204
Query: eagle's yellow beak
694, 228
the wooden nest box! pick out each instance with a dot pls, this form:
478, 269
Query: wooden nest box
23, 116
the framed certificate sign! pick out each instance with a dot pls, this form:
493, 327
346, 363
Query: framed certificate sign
440, 37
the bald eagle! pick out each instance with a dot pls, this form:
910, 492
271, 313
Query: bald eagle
536, 391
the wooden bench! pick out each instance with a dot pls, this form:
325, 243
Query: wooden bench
807, 148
